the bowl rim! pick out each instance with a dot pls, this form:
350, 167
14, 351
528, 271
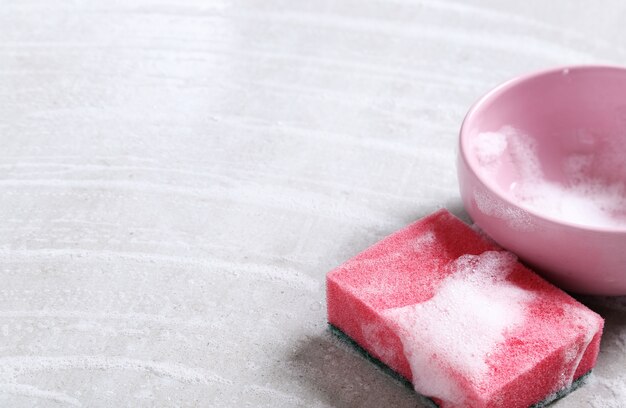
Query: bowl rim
495, 92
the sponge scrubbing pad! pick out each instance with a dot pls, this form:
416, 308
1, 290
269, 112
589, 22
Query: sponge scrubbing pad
462, 319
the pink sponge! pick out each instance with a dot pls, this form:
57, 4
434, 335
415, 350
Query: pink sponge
462, 319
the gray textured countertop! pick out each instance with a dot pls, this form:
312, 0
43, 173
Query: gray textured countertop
177, 177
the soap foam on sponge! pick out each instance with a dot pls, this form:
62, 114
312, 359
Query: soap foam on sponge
461, 318
476, 294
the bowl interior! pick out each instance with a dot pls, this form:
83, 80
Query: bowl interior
555, 144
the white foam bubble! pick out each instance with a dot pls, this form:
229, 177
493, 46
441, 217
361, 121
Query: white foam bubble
461, 325
514, 216
583, 200
425, 240
373, 332
489, 146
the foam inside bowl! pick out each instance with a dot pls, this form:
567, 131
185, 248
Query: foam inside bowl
556, 145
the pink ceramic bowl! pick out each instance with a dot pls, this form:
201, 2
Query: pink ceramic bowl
542, 170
